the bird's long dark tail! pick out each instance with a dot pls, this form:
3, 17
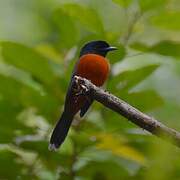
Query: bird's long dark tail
60, 131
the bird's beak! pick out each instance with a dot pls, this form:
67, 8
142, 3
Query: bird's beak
111, 48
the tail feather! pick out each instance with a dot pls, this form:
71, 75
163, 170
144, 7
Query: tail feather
60, 131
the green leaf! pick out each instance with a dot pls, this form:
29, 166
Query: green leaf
29, 60
104, 161
41, 147
10, 167
11, 103
103, 170
135, 62
123, 3
161, 152
9, 123
50, 52
116, 145
145, 100
130, 78
118, 55
166, 48
46, 104
20, 76
20, 92
139, 46
66, 28
88, 17
146, 5
167, 20
112, 121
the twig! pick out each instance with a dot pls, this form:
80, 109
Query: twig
112, 102
130, 29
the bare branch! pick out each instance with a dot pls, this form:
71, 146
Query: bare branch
86, 88
130, 29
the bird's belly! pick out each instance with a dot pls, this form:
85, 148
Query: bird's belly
94, 68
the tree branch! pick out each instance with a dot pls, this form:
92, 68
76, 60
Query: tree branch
85, 88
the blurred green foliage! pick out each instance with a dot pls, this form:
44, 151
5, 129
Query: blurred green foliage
39, 44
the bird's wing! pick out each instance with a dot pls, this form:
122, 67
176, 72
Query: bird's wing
86, 106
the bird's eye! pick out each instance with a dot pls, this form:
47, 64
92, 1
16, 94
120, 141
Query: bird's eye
99, 47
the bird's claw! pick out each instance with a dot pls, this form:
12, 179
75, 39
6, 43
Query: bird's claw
80, 89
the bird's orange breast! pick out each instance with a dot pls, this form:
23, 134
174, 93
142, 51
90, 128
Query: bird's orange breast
94, 68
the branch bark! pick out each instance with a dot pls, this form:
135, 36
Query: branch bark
86, 88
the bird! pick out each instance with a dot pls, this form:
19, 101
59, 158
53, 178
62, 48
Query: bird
92, 65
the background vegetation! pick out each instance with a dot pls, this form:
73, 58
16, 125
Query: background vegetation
39, 44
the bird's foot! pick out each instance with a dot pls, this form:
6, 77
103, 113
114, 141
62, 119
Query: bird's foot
79, 88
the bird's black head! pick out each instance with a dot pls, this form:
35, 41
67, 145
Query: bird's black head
97, 47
